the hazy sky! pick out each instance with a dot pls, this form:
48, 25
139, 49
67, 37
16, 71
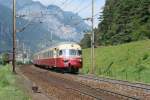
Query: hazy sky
82, 7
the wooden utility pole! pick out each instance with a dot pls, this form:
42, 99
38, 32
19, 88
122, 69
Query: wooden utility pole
92, 42
14, 36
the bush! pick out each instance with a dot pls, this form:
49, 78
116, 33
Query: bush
6, 76
5, 58
0, 61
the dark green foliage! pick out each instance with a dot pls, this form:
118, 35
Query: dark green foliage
124, 21
5, 58
145, 57
108, 70
0, 59
140, 67
86, 41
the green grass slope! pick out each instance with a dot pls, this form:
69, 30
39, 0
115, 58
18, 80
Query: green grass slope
8, 87
128, 61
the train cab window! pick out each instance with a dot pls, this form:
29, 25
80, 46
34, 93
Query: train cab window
64, 52
60, 52
73, 52
70, 52
79, 52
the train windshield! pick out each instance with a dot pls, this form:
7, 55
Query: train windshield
70, 52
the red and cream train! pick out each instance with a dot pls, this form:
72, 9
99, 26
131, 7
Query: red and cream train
66, 56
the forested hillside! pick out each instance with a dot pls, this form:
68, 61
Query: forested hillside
123, 21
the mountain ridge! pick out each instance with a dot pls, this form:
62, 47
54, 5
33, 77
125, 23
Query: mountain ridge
54, 22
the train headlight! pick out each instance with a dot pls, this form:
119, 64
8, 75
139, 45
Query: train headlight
80, 60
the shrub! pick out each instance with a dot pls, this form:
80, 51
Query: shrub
5, 58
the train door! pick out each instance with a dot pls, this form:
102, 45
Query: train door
55, 57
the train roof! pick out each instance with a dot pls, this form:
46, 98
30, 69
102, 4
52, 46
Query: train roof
58, 44
61, 43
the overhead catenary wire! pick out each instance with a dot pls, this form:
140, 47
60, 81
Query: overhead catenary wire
66, 3
76, 8
84, 8
80, 10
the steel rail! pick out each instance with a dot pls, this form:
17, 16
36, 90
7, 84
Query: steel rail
119, 82
98, 90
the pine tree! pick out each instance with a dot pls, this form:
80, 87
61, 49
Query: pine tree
124, 21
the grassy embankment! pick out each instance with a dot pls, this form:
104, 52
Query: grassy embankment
128, 61
8, 87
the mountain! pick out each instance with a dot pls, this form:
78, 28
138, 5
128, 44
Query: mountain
43, 24
5, 28
124, 21
56, 21
28, 36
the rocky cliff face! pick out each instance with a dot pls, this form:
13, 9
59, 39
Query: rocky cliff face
44, 24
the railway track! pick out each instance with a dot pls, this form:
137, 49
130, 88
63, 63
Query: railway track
116, 87
98, 90
60, 81
105, 91
119, 82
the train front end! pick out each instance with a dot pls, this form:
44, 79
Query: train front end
71, 57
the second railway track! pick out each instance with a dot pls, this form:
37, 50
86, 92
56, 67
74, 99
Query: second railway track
119, 82
97, 90
56, 84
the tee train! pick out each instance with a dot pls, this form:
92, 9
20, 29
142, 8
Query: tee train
66, 56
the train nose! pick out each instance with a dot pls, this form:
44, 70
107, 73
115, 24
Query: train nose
76, 62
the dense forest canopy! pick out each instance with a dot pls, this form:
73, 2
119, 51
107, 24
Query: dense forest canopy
123, 21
